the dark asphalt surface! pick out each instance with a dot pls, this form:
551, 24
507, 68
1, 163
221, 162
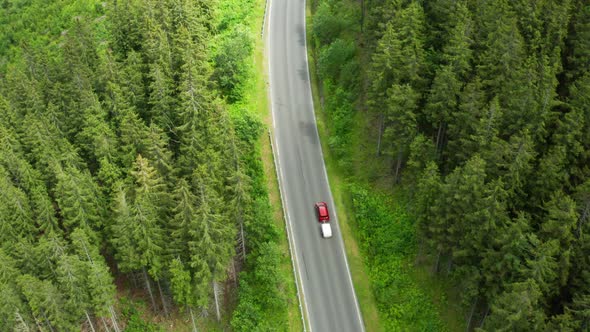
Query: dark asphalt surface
330, 300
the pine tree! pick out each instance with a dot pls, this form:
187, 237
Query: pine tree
422, 153
399, 60
133, 132
503, 52
513, 162
123, 227
182, 224
560, 225
138, 231
180, 282
427, 207
98, 283
71, 282
457, 51
463, 124
125, 26
441, 103
543, 266
157, 150
580, 101
196, 100
15, 211
216, 234
132, 79
161, 96
463, 206
401, 124
517, 309
14, 313
96, 137
581, 310
578, 42
400, 57
79, 199
503, 262
46, 304
148, 211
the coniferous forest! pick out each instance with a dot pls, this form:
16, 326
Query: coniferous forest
477, 115
129, 166
128, 163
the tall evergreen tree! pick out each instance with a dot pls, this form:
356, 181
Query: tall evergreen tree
79, 199
401, 124
517, 309
46, 304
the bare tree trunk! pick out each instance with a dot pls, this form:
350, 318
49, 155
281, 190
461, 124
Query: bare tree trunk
114, 319
193, 319
133, 279
216, 295
437, 262
149, 288
467, 329
243, 241
87, 254
449, 263
438, 136
362, 15
582, 220
89, 321
381, 125
398, 166
485, 316
38, 324
441, 139
234, 272
21, 322
47, 322
164, 305
104, 323
419, 255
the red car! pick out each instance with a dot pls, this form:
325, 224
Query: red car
322, 211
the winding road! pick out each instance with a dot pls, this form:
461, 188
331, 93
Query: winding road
321, 267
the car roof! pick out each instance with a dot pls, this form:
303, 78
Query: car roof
326, 230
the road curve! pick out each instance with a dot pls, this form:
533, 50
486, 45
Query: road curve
326, 285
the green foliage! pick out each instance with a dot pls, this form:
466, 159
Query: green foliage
327, 26
341, 111
481, 107
387, 237
105, 108
334, 59
517, 309
256, 310
232, 67
262, 304
136, 323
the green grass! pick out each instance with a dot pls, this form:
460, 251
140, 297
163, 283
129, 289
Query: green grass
443, 292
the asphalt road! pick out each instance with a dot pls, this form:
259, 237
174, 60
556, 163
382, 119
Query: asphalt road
330, 302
